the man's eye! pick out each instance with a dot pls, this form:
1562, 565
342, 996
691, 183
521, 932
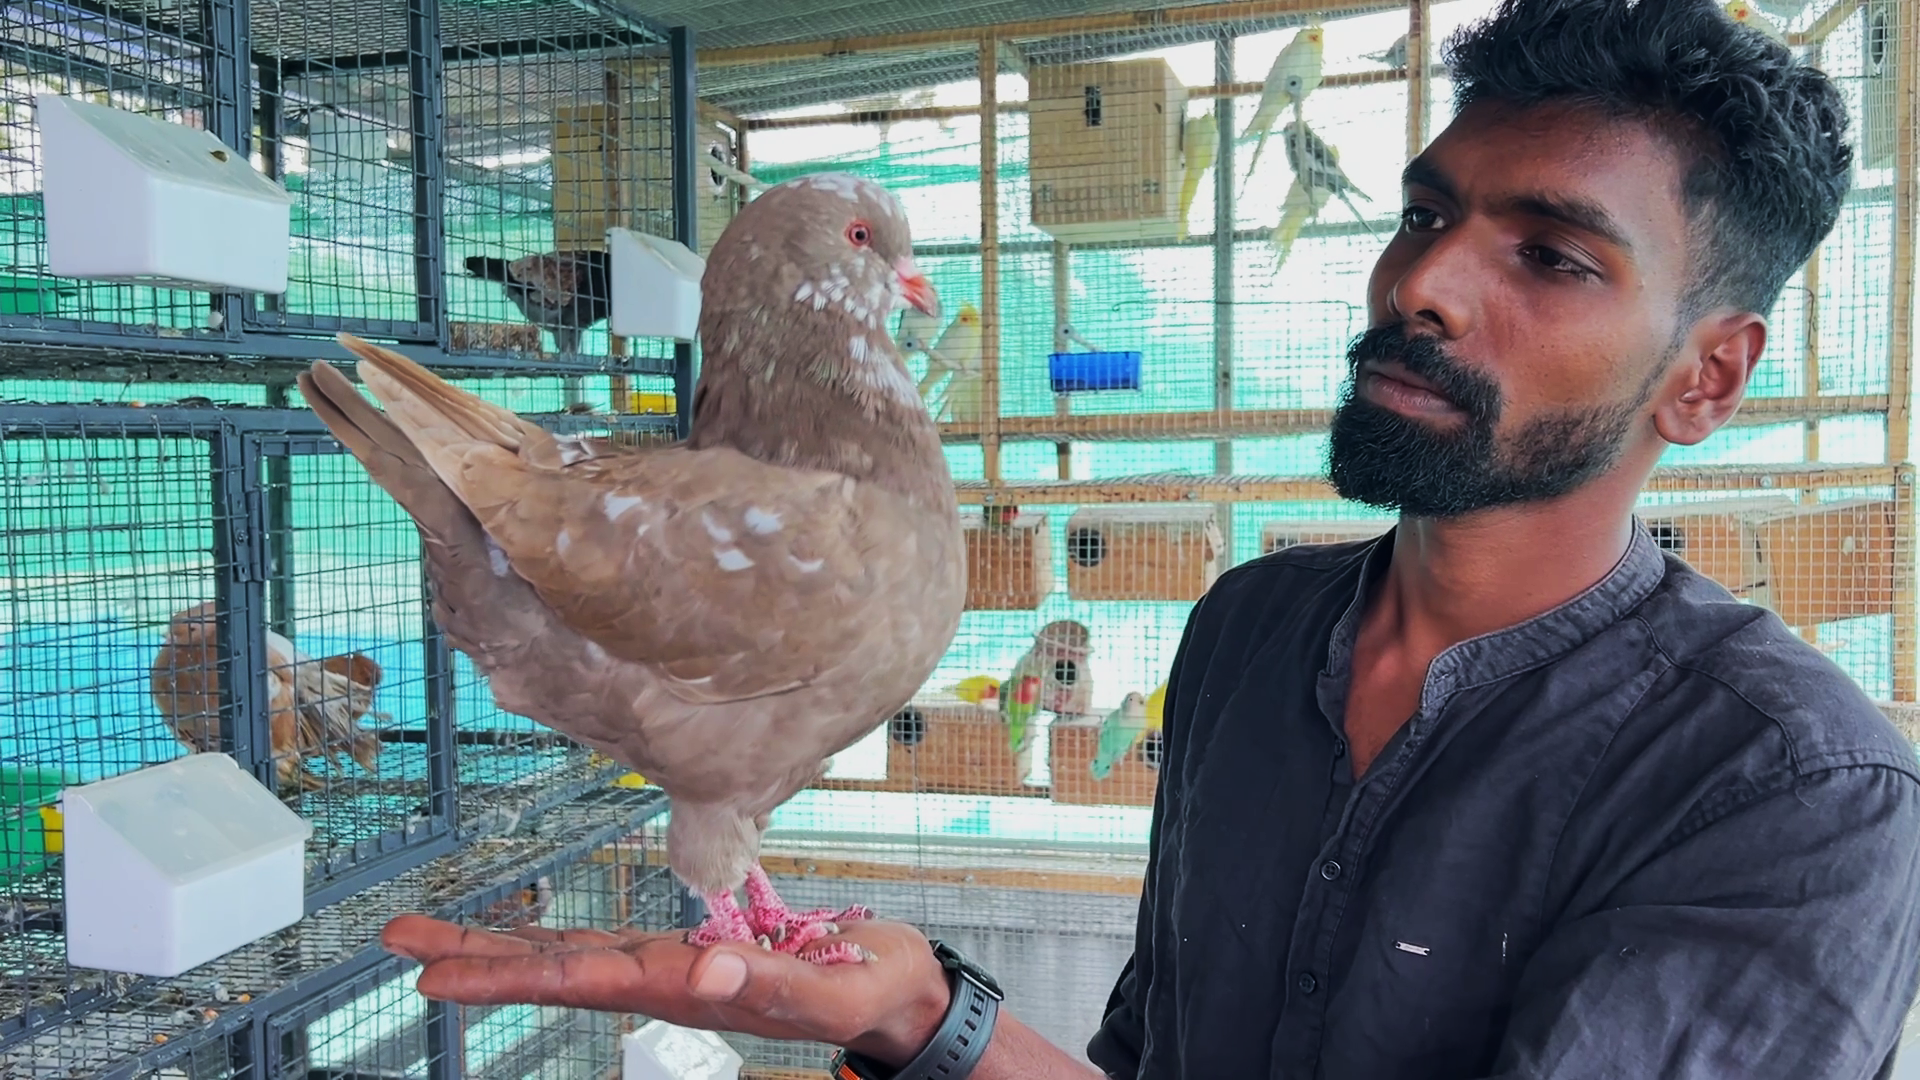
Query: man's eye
1418, 218
1556, 262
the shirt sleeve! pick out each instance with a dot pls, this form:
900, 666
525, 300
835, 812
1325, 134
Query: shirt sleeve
1776, 942
1119, 1044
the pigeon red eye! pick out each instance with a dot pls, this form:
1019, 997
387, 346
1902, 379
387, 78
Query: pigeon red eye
859, 234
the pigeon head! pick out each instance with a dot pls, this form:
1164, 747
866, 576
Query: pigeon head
194, 626
830, 243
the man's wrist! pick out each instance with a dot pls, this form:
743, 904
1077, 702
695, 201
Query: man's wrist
909, 1028
957, 1041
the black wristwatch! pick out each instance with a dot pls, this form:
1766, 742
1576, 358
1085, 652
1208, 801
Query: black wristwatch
960, 1041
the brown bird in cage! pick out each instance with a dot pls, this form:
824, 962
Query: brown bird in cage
562, 292
723, 614
523, 907
313, 706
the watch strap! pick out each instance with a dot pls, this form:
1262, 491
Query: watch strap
961, 1039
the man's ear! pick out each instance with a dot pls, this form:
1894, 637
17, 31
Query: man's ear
1709, 381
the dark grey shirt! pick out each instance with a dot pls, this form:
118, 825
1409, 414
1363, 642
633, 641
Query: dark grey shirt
1649, 834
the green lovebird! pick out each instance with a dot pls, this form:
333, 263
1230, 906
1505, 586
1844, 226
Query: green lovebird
1122, 728
1019, 707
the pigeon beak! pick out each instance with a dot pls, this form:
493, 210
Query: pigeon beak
916, 288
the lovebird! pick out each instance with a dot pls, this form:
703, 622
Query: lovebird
1122, 728
1295, 72
1019, 708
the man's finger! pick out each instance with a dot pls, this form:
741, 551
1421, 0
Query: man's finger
579, 936
427, 940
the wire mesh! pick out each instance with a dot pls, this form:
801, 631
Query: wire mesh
149, 58
1146, 317
320, 980
551, 143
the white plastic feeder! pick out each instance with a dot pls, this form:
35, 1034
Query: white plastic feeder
177, 864
663, 1051
655, 284
131, 198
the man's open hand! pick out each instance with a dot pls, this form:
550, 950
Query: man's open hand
886, 1008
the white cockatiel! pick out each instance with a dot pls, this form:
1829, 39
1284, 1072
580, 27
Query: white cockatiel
958, 353
1200, 144
1747, 15
1301, 204
1295, 73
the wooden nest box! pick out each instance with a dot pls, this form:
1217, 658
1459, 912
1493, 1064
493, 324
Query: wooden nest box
955, 747
1105, 149
1009, 559
1280, 535
1811, 563
1132, 552
1829, 561
1072, 747
613, 166
1719, 539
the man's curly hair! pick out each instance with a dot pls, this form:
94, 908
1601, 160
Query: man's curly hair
1761, 136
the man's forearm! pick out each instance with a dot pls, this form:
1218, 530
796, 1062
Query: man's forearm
1018, 1053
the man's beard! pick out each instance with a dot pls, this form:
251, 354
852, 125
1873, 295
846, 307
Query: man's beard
1381, 458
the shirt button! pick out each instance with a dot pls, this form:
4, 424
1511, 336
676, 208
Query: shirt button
1308, 984
1329, 869
1339, 747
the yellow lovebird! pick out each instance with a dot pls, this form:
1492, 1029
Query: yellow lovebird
1295, 73
977, 690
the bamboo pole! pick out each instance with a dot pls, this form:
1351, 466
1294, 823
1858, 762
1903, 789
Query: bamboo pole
1420, 79
1906, 188
1198, 487
1225, 14
947, 112
1062, 318
1236, 11
990, 254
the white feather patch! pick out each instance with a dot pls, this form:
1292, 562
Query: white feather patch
497, 558
620, 504
761, 522
562, 542
807, 566
573, 449
715, 529
731, 558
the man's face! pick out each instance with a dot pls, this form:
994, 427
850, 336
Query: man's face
1521, 319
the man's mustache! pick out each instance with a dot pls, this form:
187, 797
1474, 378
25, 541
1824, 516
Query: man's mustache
1425, 357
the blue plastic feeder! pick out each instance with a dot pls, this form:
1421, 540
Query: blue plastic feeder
1074, 373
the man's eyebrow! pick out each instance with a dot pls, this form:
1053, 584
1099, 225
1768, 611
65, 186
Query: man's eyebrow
1575, 210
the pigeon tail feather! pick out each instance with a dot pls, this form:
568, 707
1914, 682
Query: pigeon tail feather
430, 409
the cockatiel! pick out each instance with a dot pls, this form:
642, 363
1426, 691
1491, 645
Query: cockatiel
563, 293
917, 332
313, 706
1747, 15
1318, 166
1300, 205
1119, 732
722, 614
1200, 144
1295, 73
1019, 707
958, 353
1394, 55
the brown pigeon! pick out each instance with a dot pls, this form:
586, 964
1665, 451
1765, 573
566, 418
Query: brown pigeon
722, 614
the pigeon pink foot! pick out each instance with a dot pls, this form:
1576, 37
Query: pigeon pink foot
768, 921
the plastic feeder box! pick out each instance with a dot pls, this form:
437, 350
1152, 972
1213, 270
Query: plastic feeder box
1079, 372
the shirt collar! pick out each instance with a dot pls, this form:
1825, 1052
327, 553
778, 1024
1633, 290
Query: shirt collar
1508, 651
